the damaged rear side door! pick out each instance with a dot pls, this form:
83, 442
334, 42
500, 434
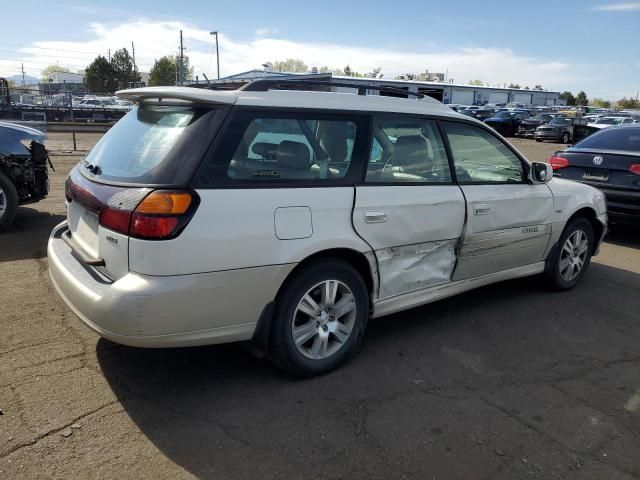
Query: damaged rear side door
408, 208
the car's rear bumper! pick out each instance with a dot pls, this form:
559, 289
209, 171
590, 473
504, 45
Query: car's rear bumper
164, 311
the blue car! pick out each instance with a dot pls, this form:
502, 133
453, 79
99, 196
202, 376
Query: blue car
507, 122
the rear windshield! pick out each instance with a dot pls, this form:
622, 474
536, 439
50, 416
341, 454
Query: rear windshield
622, 139
152, 144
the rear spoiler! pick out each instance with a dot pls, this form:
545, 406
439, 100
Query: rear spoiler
195, 95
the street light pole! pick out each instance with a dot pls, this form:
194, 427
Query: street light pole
217, 53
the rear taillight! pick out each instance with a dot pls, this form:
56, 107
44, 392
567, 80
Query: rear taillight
558, 162
635, 168
160, 215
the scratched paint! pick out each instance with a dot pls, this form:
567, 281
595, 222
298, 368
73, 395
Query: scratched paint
633, 404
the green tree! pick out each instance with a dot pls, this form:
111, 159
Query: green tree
568, 98
48, 71
600, 103
99, 76
163, 72
375, 73
124, 70
538, 87
630, 102
514, 85
582, 99
294, 65
477, 83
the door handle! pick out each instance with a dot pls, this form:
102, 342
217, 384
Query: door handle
375, 217
481, 209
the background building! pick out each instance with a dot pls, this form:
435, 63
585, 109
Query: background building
449, 93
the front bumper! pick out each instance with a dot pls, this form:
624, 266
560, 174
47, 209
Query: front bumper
164, 311
544, 135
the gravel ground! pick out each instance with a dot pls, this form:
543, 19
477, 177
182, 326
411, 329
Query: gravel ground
508, 381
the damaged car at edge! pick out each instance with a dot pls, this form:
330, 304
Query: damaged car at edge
23, 168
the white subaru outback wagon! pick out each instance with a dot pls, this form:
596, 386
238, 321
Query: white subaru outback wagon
292, 217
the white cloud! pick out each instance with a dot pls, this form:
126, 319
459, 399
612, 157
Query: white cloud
261, 32
619, 7
154, 39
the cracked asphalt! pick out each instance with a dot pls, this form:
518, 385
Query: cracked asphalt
505, 382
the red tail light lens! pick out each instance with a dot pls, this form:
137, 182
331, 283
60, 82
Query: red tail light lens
635, 168
558, 162
160, 215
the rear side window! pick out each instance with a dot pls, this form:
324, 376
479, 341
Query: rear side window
152, 144
407, 150
622, 139
480, 157
284, 147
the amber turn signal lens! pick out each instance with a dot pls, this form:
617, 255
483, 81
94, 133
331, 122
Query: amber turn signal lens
165, 203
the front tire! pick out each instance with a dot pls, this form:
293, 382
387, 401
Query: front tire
565, 138
572, 256
320, 317
8, 200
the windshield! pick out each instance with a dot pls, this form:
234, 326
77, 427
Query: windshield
609, 121
542, 118
148, 145
503, 115
625, 139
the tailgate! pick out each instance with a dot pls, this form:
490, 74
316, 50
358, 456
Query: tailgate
94, 244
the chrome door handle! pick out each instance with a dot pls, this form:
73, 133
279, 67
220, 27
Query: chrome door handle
375, 217
481, 209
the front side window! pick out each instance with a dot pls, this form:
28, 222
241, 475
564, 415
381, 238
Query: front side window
480, 157
407, 150
293, 148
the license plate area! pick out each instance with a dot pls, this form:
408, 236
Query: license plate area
597, 175
84, 225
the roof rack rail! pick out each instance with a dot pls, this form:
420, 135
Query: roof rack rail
265, 84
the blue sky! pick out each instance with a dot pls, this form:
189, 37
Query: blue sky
592, 45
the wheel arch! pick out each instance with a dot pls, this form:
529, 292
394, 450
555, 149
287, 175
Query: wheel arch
364, 263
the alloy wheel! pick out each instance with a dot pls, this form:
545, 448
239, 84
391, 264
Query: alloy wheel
324, 319
573, 255
3, 202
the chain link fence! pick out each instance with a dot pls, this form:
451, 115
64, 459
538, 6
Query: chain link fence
72, 120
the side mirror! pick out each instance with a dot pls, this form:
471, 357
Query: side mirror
540, 172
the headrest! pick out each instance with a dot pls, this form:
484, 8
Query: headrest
333, 140
410, 150
293, 155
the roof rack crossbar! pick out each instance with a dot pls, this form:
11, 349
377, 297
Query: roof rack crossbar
265, 84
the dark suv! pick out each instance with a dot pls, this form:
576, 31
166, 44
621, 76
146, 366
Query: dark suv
559, 129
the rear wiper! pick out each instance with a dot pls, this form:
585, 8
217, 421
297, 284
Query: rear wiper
94, 169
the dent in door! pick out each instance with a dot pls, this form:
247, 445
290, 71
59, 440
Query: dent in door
412, 267
292, 223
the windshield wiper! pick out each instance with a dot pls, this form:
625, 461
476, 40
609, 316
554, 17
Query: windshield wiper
94, 169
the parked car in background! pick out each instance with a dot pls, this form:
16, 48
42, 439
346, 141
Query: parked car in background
506, 122
604, 122
610, 161
528, 126
479, 113
559, 129
23, 168
291, 217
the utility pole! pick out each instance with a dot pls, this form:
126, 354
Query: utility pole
181, 62
22, 67
109, 55
133, 56
217, 52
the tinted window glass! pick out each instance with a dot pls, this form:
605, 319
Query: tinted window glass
150, 144
624, 139
293, 149
407, 150
480, 157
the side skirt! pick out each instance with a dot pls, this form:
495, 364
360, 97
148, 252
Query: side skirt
431, 294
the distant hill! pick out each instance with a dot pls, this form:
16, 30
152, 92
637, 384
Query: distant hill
28, 80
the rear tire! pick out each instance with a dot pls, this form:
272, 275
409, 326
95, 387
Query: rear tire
538, 139
8, 200
320, 317
572, 255
565, 138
